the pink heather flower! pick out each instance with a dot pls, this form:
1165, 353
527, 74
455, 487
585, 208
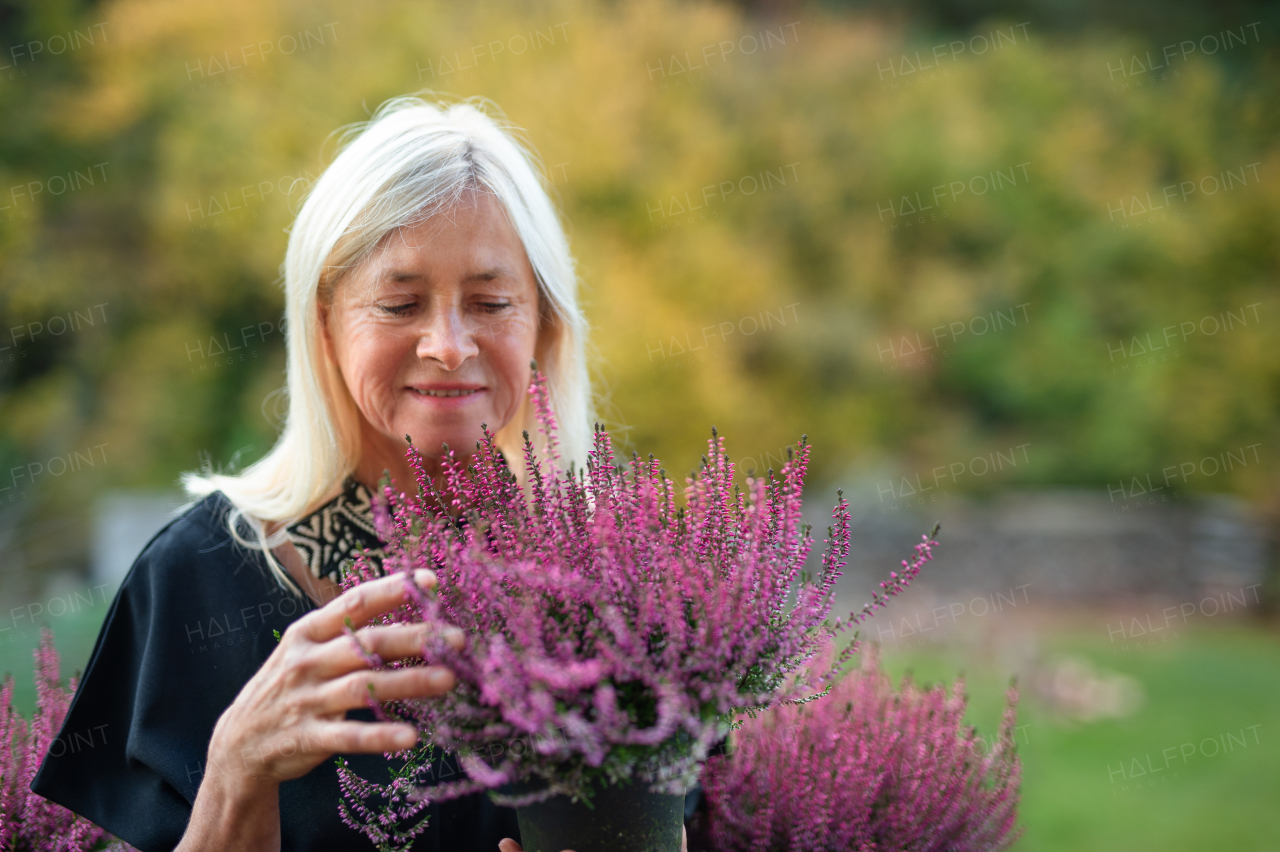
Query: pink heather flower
866, 767
611, 632
29, 822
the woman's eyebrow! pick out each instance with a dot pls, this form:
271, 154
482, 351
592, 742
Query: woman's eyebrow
404, 275
488, 274
411, 275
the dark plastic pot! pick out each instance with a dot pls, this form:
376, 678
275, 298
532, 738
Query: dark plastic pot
622, 818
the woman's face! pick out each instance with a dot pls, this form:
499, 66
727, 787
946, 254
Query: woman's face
434, 334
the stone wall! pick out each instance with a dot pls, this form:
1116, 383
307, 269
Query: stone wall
1070, 546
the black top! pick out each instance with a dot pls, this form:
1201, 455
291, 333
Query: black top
190, 625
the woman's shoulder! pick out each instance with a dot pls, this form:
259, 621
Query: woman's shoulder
196, 597
199, 531
193, 581
195, 554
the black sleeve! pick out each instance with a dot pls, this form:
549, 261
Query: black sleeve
189, 626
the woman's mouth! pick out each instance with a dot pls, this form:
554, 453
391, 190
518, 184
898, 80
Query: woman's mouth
451, 395
446, 393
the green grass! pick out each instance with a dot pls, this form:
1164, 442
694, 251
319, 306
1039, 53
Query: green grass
1207, 683
73, 636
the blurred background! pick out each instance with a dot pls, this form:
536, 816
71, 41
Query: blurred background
1010, 265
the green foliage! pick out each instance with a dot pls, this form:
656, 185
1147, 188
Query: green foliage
181, 243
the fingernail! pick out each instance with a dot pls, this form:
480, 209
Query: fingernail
425, 577
455, 638
440, 677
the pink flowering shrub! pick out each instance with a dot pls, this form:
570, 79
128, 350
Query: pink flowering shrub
866, 768
28, 822
611, 633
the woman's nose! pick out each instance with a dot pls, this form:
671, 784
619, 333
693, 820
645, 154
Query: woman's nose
447, 339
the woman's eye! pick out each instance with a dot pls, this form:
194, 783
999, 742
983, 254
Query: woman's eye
494, 307
397, 310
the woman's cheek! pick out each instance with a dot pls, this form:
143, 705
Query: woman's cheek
507, 333
376, 396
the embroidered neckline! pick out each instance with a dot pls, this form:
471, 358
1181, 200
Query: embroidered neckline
330, 538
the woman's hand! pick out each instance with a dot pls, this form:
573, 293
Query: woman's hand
506, 844
290, 716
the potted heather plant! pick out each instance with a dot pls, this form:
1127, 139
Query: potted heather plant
612, 634
865, 767
28, 822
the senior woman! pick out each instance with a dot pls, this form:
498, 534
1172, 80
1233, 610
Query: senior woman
425, 270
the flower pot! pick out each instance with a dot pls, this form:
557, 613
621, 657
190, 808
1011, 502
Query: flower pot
622, 818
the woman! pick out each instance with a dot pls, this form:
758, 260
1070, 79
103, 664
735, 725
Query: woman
425, 271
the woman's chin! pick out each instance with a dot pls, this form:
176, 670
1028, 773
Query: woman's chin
461, 439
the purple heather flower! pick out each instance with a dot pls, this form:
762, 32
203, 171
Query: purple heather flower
866, 767
29, 821
611, 632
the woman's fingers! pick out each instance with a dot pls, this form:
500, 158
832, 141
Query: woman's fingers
288, 717
352, 690
390, 642
353, 737
359, 604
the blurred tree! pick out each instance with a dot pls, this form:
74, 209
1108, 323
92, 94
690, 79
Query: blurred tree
785, 224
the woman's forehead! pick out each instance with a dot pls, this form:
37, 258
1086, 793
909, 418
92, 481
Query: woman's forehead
468, 256
476, 224
424, 274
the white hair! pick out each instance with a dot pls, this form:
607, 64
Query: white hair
411, 160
